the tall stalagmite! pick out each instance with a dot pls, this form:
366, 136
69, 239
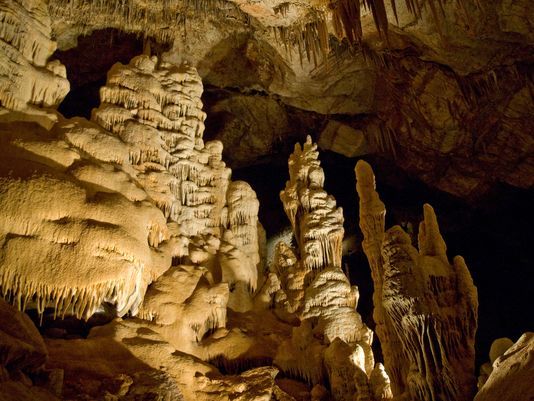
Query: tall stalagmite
331, 338
430, 304
372, 223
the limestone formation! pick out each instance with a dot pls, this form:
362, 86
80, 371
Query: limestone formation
52, 204
156, 109
146, 268
23, 355
317, 223
429, 304
498, 348
512, 372
343, 139
313, 286
28, 80
372, 223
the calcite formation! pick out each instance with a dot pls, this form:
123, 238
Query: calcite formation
148, 153
372, 223
511, 375
29, 82
317, 223
498, 348
156, 109
130, 226
430, 304
314, 287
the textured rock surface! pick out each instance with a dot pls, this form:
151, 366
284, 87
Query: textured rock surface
512, 373
27, 78
21, 344
343, 139
132, 214
91, 214
429, 304
23, 355
448, 91
331, 337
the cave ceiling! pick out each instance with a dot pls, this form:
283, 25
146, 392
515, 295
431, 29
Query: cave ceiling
443, 88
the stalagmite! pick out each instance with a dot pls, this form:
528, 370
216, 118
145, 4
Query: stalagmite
317, 223
430, 304
372, 223
313, 286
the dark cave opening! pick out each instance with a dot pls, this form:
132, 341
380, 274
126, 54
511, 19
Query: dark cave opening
89, 62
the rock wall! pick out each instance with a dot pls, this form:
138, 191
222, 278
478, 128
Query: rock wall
27, 78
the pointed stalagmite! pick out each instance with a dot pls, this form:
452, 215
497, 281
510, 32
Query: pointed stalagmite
331, 337
428, 304
372, 223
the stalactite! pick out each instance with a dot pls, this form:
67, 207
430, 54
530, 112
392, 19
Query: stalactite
142, 18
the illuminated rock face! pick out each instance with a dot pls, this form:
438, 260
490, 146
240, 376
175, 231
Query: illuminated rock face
27, 78
511, 375
331, 337
425, 304
133, 209
167, 186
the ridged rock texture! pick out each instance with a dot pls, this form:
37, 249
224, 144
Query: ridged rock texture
129, 228
28, 79
511, 376
331, 336
429, 305
442, 78
156, 108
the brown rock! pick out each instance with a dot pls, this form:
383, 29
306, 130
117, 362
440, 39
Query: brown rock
343, 139
511, 378
21, 345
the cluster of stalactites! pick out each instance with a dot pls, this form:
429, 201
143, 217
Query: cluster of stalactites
81, 302
155, 107
163, 20
25, 47
317, 222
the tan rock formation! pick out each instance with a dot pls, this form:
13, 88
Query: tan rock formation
132, 212
53, 205
498, 348
317, 223
343, 139
429, 305
423, 293
331, 336
28, 80
372, 223
156, 108
22, 359
511, 376
183, 308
